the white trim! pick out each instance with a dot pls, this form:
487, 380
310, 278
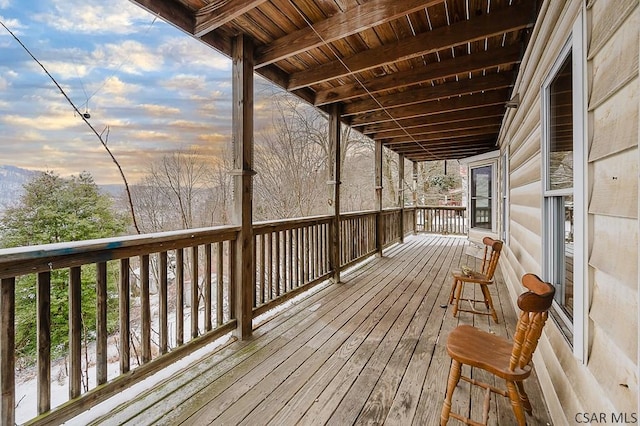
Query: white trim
575, 46
505, 193
480, 157
495, 195
580, 157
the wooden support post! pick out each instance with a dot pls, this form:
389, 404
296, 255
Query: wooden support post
7, 351
378, 207
334, 180
401, 194
242, 139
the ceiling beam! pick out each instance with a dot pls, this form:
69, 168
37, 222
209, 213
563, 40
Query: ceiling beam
219, 12
338, 26
509, 19
438, 119
477, 143
454, 134
173, 12
437, 70
441, 127
437, 153
431, 93
494, 97
448, 155
432, 152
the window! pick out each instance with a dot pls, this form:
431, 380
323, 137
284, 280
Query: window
558, 203
481, 197
564, 165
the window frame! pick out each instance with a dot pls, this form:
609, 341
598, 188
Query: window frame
578, 325
505, 192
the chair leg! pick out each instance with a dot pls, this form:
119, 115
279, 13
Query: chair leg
454, 378
453, 289
489, 302
457, 297
514, 396
524, 399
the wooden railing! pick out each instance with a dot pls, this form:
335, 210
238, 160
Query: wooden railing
193, 302
441, 220
169, 294
357, 237
290, 256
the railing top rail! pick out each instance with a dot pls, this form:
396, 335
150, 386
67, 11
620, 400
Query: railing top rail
290, 223
33, 259
459, 208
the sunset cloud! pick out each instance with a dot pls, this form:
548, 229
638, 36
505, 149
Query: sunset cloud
155, 88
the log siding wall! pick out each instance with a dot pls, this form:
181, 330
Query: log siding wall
608, 381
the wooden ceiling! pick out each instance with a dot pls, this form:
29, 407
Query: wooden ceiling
430, 79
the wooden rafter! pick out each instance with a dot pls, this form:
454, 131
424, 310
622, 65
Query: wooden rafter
441, 127
447, 68
412, 137
173, 12
352, 21
444, 117
506, 20
420, 147
494, 97
430, 93
220, 12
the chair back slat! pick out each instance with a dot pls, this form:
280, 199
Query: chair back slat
492, 250
534, 305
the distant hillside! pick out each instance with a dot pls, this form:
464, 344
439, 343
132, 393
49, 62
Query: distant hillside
11, 181
13, 178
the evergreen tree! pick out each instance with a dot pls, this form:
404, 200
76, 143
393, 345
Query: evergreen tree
56, 210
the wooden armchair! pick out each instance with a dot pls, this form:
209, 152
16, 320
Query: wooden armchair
508, 360
483, 278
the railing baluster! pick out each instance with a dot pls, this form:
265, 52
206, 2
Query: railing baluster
75, 332
101, 323
231, 289
207, 288
43, 319
163, 303
7, 350
220, 284
145, 307
277, 264
179, 318
290, 256
125, 305
194, 292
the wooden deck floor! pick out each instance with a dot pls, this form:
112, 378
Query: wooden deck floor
369, 350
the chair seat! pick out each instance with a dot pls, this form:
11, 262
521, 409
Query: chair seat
472, 277
492, 353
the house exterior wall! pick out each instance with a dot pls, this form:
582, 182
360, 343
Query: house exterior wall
606, 380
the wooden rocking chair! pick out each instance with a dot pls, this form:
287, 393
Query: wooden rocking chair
510, 361
484, 278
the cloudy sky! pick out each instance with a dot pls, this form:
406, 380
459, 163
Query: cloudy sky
157, 89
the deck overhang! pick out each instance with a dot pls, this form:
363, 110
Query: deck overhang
438, 74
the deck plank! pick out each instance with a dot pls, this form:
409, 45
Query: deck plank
369, 350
